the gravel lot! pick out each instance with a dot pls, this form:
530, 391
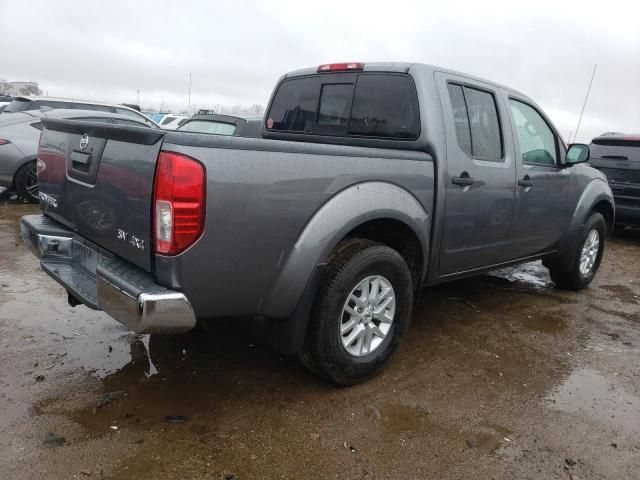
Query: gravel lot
498, 377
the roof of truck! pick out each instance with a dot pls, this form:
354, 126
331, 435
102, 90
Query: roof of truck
404, 67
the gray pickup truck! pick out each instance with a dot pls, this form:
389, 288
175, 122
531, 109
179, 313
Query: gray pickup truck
370, 181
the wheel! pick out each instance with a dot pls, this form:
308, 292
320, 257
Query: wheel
360, 313
27, 182
586, 257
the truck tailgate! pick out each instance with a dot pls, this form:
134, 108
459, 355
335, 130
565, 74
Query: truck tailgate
98, 180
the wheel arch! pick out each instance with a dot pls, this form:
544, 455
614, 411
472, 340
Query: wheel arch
596, 197
363, 210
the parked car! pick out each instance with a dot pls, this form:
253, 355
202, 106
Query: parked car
617, 155
19, 134
372, 181
22, 104
4, 101
171, 122
223, 125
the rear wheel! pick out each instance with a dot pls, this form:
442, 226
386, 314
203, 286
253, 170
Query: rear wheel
27, 182
360, 313
586, 256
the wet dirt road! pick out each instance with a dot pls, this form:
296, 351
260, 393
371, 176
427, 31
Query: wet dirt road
498, 377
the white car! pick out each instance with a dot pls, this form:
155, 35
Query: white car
25, 103
171, 122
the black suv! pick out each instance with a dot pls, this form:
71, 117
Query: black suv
618, 156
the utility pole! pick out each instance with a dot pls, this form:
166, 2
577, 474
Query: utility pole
585, 101
189, 92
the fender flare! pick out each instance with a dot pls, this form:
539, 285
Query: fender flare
343, 212
595, 192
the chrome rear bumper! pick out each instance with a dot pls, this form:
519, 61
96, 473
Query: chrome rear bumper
104, 282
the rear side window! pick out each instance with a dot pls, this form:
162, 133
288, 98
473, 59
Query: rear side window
460, 117
358, 105
92, 107
477, 125
50, 103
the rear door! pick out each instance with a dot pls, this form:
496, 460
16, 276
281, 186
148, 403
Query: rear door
480, 179
619, 159
542, 213
98, 180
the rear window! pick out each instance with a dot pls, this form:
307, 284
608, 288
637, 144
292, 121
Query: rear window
615, 149
204, 126
168, 120
18, 105
347, 104
93, 107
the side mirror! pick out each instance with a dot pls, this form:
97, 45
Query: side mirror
577, 153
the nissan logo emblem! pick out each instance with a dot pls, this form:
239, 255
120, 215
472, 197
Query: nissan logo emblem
84, 141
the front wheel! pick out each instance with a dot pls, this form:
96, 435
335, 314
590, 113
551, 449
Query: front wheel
26, 182
586, 256
360, 313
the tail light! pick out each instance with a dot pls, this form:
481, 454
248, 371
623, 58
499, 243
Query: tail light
340, 67
179, 201
4, 142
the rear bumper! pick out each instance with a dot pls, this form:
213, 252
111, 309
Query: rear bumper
104, 282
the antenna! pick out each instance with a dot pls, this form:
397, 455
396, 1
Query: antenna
585, 101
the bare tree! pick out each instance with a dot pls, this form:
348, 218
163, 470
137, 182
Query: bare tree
31, 90
256, 109
5, 87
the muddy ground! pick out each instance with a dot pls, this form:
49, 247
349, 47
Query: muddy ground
499, 377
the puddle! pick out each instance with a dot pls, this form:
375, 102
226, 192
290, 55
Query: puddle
491, 439
527, 275
590, 393
545, 324
623, 293
398, 418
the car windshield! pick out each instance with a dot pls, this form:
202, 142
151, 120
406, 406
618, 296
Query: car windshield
205, 126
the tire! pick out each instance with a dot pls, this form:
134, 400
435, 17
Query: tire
577, 278
358, 266
26, 182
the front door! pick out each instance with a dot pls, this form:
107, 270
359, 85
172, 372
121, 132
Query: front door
480, 177
542, 196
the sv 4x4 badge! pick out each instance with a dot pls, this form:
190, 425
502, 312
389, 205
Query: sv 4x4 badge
130, 239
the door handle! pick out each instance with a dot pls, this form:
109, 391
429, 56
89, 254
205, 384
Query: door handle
525, 182
464, 180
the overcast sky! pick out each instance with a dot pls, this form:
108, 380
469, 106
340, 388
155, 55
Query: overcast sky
237, 50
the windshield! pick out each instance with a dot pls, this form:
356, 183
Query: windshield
204, 126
